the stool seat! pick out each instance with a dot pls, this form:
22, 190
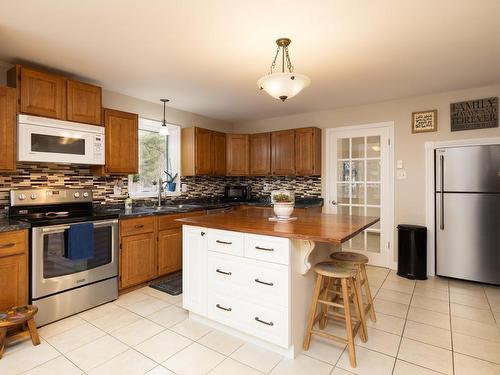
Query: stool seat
20, 315
348, 256
334, 269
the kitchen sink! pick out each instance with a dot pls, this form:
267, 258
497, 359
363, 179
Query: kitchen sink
175, 207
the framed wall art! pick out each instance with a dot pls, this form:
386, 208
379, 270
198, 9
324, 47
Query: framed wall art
424, 121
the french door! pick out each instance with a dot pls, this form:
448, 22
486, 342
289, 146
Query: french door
359, 182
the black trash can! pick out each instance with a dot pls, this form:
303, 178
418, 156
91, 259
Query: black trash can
412, 251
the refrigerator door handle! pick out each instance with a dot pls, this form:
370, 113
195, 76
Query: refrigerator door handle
441, 219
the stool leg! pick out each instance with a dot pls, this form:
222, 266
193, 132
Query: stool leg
3, 334
33, 332
312, 312
358, 303
348, 324
324, 308
369, 298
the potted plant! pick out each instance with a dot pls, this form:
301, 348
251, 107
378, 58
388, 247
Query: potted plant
283, 203
171, 181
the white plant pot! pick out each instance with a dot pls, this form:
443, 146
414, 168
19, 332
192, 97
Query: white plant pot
283, 210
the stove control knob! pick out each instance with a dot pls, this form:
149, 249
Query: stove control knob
22, 197
85, 195
76, 195
33, 196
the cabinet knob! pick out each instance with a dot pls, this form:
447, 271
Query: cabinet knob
202, 233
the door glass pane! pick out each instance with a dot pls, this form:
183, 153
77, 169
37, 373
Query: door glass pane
343, 148
55, 144
358, 242
343, 193
358, 171
374, 211
358, 210
56, 263
342, 210
373, 146
343, 169
358, 147
373, 170
373, 194
358, 193
373, 242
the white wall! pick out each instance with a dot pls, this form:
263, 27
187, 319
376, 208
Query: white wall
409, 193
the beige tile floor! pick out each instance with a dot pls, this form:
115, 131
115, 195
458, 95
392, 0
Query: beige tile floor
437, 326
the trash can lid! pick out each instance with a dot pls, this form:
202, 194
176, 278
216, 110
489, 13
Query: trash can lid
411, 227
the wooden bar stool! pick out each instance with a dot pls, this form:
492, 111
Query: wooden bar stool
22, 315
358, 261
331, 299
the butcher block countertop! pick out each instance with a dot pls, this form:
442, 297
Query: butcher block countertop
312, 226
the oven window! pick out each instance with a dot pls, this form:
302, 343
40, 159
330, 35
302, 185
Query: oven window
59, 145
54, 250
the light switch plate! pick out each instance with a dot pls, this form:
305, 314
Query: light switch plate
399, 164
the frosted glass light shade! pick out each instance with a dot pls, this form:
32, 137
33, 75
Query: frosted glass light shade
283, 85
163, 130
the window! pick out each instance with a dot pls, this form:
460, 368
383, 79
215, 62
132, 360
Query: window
157, 154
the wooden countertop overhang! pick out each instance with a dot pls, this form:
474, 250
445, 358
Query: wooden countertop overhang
320, 227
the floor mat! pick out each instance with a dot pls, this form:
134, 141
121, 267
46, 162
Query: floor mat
171, 284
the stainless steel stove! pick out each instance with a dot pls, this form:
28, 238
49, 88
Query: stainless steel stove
59, 284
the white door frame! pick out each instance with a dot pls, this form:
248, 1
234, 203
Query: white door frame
429, 190
390, 262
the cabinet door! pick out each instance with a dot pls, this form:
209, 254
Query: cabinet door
122, 150
42, 94
218, 154
194, 269
283, 152
308, 151
138, 260
169, 251
8, 139
83, 102
203, 157
260, 154
237, 152
13, 281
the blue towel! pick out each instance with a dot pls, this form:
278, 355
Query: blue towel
80, 241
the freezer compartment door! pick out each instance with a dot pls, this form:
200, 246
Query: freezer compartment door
468, 169
468, 236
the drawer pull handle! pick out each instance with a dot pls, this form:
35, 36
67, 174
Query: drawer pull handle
4, 246
263, 282
264, 322
224, 242
223, 272
139, 226
223, 308
264, 248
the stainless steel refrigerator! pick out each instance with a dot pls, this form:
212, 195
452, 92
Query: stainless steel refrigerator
468, 213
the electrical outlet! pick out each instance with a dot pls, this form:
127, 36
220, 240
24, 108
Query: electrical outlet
184, 188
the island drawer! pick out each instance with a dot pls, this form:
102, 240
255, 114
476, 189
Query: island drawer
268, 249
260, 282
129, 227
226, 242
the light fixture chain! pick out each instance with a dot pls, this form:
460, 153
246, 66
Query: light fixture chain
273, 65
288, 61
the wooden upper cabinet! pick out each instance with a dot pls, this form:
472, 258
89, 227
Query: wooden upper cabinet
260, 154
196, 152
218, 154
40, 93
122, 137
83, 102
8, 137
237, 154
308, 151
283, 153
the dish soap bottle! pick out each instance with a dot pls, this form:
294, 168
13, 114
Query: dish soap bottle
128, 203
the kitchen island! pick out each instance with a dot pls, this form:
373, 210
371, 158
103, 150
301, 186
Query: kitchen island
250, 277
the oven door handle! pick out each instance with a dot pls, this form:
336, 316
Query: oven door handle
98, 224
62, 228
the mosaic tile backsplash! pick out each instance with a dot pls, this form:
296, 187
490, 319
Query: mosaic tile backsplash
33, 175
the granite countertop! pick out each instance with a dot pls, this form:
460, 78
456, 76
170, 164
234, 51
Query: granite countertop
7, 225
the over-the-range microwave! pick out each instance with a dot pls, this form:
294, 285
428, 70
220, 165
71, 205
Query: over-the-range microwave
43, 139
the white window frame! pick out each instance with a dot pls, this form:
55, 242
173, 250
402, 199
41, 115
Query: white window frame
174, 151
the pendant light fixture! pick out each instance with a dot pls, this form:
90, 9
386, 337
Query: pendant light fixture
283, 85
164, 127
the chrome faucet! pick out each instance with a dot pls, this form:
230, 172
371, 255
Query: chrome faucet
160, 189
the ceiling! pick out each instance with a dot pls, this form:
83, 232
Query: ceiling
206, 56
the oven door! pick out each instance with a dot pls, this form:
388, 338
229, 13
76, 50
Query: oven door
52, 272
41, 143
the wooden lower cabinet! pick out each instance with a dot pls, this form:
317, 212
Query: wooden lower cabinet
137, 259
169, 251
13, 269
